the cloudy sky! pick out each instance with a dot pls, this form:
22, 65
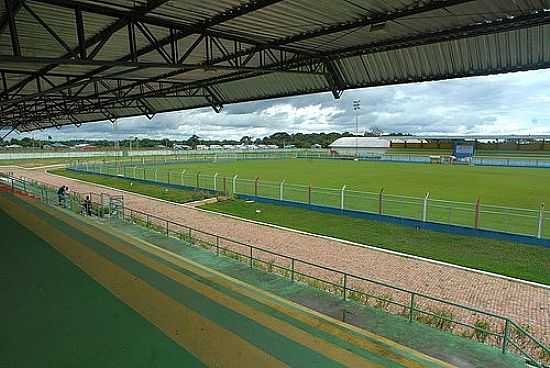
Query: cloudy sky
517, 103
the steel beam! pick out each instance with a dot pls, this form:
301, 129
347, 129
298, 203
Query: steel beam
11, 11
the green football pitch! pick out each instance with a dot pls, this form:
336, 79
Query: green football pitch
453, 190
513, 187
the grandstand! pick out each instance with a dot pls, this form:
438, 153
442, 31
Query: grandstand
74, 62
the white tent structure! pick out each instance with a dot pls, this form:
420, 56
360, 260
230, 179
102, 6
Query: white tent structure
360, 146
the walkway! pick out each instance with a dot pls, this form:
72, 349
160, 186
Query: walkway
528, 305
211, 320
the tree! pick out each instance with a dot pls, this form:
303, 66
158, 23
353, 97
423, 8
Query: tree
374, 132
194, 140
246, 140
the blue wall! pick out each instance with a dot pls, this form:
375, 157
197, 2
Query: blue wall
444, 228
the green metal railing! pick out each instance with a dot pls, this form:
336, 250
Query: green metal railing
490, 328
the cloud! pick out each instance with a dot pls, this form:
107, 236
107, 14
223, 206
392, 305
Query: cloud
515, 103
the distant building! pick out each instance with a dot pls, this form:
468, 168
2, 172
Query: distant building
13, 146
316, 146
360, 146
181, 147
202, 147
409, 140
55, 146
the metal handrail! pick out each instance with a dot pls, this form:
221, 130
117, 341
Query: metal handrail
506, 320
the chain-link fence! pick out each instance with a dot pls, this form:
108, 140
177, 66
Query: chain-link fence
474, 215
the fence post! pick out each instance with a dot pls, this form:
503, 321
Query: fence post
381, 202
224, 186
135, 171
281, 190
256, 186
217, 245
235, 184
144, 173
411, 307
251, 256
292, 269
476, 218
345, 285
309, 194
198, 179
166, 228
215, 182
505, 336
425, 208
541, 221
156, 172
182, 180
342, 198
169, 176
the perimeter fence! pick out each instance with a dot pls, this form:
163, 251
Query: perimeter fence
455, 318
477, 215
419, 158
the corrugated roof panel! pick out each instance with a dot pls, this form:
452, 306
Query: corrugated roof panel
271, 85
174, 103
490, 51
513, 50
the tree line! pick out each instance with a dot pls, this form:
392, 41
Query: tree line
281, 139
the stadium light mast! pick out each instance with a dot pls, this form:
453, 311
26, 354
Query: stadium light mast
356, 108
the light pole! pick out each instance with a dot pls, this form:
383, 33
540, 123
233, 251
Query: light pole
356, 108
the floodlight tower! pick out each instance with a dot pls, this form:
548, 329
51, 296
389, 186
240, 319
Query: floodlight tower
115, 132
356, 108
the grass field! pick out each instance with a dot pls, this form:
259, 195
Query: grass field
404, 184
173, 195
515, 187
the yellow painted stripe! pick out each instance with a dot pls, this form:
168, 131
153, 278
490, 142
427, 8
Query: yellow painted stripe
210, 343
237, 286
284, 328
375, 343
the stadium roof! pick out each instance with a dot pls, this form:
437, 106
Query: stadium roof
70, 62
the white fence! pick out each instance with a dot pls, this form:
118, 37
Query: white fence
475, 215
